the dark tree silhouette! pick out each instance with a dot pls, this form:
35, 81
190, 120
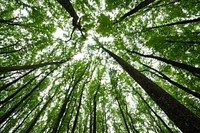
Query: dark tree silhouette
179, 114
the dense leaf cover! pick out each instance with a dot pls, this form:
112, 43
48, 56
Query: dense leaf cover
56, 74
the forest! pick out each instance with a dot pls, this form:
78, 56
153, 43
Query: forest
100, 66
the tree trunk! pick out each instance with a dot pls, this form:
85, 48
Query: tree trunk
177, 23
7, 114
184, 42
10, 45
95, 110
78, 109
91, 119
136, 9
63, 109
71, 114
179, 114
131, 124
85, 124
70, 9
22, 122
27, 67
154, 113
127, 128
14, 81
66, 100
163, 76
189, 68
18, 90
30, 127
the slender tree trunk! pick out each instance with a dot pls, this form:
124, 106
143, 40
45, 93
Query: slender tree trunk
33, 122
136, 9
105, 119
85, 124
177, 23
131, 124
7, 76
7, 114
91, 119
78, 109
68, 118
158, 5
163, 76
18, 90
123, 116
66, 100
95, 110
10, 22
154, 112
10, 45
22, 122
27, 67
4, 127
179, 114
189, 68
94, 122
9, 52
184, 42
71, 115
63, 109
14, 81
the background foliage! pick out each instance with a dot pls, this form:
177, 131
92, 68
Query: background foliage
35, 31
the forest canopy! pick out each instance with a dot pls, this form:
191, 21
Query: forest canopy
109, 66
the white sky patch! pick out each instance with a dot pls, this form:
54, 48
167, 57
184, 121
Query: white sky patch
79, 56
90, 41
106, 39
59, 33
49, 14
19, 11
16, 12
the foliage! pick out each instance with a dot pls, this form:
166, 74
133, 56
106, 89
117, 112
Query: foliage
33, 32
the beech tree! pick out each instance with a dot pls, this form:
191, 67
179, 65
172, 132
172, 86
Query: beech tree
99, 66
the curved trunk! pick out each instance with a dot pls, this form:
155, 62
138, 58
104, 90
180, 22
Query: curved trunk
70, 9
183, 118
131, 124
95, 111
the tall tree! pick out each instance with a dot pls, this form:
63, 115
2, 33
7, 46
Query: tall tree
174, 83
14, 81
27, 67
34, 33
66, 100
179, 114
163, 122
7, 114
78, 109
177, 23
136, 9
189, 68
